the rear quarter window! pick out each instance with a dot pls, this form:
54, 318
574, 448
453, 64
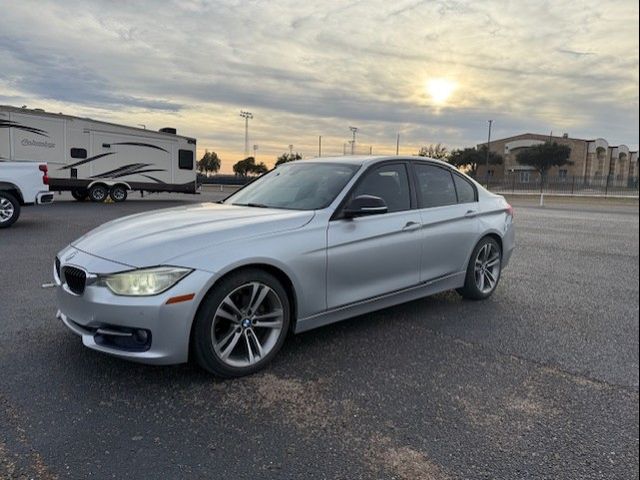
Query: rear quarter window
466, 191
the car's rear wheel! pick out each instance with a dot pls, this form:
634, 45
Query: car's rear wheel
80, 194
98, 193
241, 324
483, 272
9, 209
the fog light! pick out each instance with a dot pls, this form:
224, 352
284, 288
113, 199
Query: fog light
141, 336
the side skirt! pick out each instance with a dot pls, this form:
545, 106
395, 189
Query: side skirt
432, 287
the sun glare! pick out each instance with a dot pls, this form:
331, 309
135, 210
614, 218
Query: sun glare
440, 89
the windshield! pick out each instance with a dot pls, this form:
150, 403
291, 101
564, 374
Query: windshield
296, 186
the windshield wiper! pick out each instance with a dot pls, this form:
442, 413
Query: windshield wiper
250, 204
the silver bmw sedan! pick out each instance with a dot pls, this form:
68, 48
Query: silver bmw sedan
310, 243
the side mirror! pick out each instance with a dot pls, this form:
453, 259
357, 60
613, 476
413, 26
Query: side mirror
365, 205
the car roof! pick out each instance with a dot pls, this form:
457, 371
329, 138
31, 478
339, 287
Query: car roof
371, 159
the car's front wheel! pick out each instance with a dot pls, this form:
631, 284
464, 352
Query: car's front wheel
483, 271
241, 324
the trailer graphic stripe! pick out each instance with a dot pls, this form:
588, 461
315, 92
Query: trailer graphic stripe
26, 128
131, 169
86, 160
139, 144
125, 168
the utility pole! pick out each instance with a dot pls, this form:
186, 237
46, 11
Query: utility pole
398, 144
290, 150
247, 116
255, 152
354, 130
319, 146
486, 167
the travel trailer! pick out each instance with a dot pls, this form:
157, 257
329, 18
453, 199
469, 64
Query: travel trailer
96, 160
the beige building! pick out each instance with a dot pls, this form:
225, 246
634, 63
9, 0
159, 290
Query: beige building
593, 160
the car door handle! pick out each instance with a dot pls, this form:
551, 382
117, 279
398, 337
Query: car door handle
471, 213
410, 226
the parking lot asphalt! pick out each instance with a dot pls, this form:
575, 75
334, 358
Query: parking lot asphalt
539, 381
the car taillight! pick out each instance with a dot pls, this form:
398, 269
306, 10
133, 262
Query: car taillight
45, 174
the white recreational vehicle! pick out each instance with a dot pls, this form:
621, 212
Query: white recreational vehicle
94, 159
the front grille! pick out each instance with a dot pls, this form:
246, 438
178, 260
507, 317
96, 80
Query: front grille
75, 279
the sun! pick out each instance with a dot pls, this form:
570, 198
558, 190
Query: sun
440, 89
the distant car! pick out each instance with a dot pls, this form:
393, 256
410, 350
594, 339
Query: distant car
310, 243
22, 183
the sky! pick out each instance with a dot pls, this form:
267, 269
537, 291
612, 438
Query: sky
431, 71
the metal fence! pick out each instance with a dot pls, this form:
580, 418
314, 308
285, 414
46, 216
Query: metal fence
563, 185
224, 179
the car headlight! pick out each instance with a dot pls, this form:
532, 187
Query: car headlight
145, 281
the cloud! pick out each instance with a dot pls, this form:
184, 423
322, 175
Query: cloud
313, 69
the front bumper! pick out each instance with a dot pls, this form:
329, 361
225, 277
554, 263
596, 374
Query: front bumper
97, 314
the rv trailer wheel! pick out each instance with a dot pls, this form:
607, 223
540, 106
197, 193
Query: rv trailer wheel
98, 193
118, 193
79, 194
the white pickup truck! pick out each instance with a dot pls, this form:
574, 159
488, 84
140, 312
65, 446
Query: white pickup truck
22, 183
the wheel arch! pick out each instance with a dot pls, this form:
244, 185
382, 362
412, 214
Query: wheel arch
108, 184
274, 270
13, 190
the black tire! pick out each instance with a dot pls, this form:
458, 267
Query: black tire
118, 193
9, 209
203, 351
471, 289
80, 194
98, 193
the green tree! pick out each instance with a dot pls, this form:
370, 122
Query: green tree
437, 151
210, 162
288, 157
544, 156
248, 166
470, 158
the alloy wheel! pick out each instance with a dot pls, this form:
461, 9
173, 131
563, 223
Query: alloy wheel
6, 210
487, 268
247, 325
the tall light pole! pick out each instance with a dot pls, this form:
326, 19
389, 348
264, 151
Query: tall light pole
290, 150
354, 130
398, 144
486, 167
319, 146
247, 116
255, 152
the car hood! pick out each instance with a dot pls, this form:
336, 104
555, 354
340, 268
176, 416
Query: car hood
155, 238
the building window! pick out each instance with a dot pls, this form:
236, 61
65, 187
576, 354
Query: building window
185, 160
525, 177
563, 174
78, 153
490, 173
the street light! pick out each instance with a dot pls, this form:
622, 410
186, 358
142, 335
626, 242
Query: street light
354, 130
486, 167
247, 116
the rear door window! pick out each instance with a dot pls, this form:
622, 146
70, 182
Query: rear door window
435, 185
